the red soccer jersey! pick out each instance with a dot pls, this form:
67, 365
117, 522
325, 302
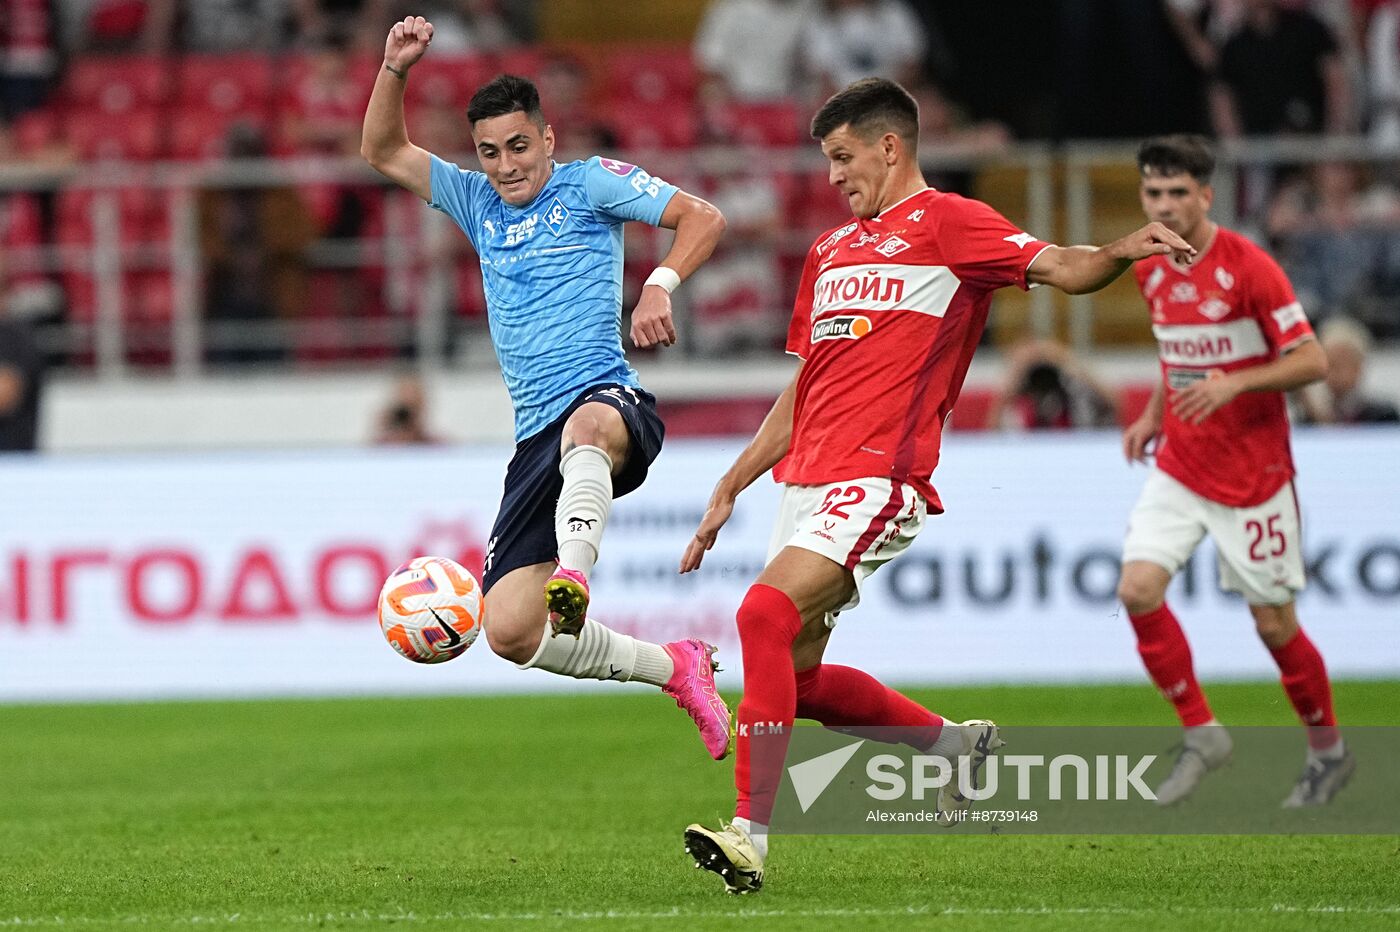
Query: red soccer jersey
1230, 309
887, 316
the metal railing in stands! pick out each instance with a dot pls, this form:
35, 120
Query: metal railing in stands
419, 323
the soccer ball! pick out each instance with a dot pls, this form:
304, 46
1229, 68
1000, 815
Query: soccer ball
430, 609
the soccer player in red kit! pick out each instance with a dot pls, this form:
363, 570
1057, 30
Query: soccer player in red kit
1232, 338
888, 313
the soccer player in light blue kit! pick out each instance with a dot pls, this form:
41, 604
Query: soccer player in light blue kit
549, 237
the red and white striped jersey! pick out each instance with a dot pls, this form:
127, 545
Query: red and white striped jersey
888, 314
1232, 308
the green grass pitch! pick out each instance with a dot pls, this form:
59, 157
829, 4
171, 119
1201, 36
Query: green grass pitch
566, 812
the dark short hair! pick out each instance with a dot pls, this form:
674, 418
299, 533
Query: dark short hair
1179, 154
506, 93
871, 107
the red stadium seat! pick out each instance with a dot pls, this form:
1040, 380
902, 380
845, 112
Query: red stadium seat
198, 133
134, 136
226, 83
449, 80
656, 75
768, 124
640, 125
37, 130
118, 84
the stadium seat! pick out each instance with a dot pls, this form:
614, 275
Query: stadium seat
660, 75
117, 84
134, 136
225, 83
640, 125
449, 80
38, 130
766, 124
198, 132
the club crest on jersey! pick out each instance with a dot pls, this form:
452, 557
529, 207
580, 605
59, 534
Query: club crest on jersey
851, 327
1213, 308
556, 216
891, 247
1184, 293
620, 169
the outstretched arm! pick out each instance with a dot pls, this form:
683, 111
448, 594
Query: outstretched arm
768, 446
384, 142
698, 225
1082, 269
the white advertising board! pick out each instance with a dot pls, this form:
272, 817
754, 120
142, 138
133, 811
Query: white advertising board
256, 574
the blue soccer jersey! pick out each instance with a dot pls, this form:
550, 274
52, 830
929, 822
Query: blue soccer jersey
552, 272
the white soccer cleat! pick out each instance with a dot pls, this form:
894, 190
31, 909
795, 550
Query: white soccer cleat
730, 853
980, 740
1320, 781
1205, 748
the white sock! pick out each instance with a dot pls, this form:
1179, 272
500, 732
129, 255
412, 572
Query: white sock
756, 831
584, 504
600, 653
949, 743
1332, 752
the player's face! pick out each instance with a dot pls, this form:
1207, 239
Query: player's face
515, 155
860, 169
1179, 202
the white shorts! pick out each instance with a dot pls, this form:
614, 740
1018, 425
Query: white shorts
860, 524
1259, 547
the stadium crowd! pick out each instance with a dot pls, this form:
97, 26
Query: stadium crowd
296, 268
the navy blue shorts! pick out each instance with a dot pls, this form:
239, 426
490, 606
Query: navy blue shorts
524, 531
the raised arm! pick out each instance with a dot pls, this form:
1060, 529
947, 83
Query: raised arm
1082, 269
764, 451
698, 225
384, 142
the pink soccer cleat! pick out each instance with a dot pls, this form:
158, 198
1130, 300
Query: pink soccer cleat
693, 688
566, 596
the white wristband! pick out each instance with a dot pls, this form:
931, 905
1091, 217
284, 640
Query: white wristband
664, 277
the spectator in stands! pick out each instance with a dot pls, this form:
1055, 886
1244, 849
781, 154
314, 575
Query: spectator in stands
852, 39
254, 243
1333, 231
1383, 73
117, 26
21, 373
235, 25
361, 22
404, 419
564, 82
1046, 388
1340, 400
463, 27
1280, 72
28, 55
751, 50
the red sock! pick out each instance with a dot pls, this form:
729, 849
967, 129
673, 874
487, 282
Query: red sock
768, 624
1167, 656
1305, 681
840, 697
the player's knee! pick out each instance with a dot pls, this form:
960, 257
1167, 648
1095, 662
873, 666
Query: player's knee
513, 638
1276, 625
1139, 594
768, 614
